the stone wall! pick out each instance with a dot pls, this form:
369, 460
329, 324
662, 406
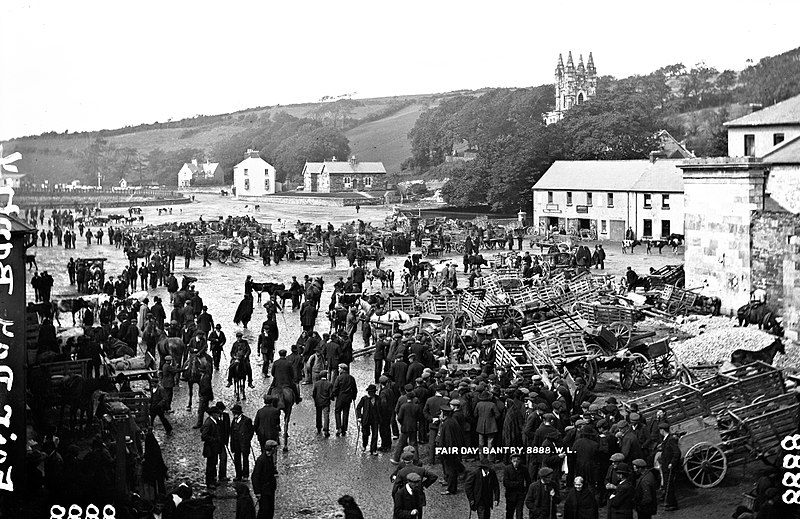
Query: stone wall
776, 263
783, 185
720, 196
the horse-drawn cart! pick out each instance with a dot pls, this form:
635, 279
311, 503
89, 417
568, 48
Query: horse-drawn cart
725, 420
478, 312
229, 249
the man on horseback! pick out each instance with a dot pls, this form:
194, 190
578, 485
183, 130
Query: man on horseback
283, 375
241, 351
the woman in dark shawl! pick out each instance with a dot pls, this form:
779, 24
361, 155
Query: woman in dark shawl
245, 311
154, 470
580, 502
514, 421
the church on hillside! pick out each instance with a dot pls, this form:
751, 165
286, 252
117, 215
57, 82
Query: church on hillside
574, 85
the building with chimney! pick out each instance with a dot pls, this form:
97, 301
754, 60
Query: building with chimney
573, 85
333, 176
254, 176
192, 173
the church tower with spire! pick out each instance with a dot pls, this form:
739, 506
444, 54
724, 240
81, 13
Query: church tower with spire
573, 85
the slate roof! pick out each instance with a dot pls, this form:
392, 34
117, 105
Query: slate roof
785, 112
614, 175
342, 167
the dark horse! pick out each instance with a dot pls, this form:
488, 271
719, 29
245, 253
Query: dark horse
238, 372
77, 392
172, 346
286, 402
767, 355
760, 314
193, 371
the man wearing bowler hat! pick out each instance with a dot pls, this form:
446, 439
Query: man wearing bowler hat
368, 413
242, 431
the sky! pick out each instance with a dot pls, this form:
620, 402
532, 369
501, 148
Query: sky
82, 65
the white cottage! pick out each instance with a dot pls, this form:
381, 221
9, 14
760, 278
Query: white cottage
254, 176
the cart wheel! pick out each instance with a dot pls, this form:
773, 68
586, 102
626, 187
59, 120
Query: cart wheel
459, 247
448, 291
626, 376
474, 357
622, 332
587, 370
213, 253
595, 351
666, 366
685, 376
236, 256
705, 465
642, 370
676, 308
223, 256
516, 315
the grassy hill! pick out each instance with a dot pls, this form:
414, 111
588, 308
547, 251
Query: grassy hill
373, 135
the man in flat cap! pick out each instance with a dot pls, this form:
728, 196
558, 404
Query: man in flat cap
645, 498
670, 464
543, 496
628, 442
620, 502
409, 499
265, 482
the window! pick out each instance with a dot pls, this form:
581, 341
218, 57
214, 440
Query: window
247, 184
569, 197
603, 227
664, 201
266, 183
549, 197
348, 182
648, 201
368, 182
245, 171
777, 138
611, 200
665, 230
648, 228
749, 145
588, 199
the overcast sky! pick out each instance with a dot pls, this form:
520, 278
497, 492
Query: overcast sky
84, 65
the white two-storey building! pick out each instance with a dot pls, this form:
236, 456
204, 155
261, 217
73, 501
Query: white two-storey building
608, 197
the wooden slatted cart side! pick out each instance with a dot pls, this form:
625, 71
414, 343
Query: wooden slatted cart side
649, 403
512, 354
552, 326
137, 402
687, 406
766, 423
405, 304
739, 387
583, 288
442, 304
67, 368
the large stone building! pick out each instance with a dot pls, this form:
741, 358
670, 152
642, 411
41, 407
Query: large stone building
334, 177
607, 197
254, 176
573, 85
743, 214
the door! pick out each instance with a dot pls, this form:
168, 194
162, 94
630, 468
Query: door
665, 230
647, 224
616, 230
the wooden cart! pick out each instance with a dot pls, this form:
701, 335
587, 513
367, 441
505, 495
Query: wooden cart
478, 312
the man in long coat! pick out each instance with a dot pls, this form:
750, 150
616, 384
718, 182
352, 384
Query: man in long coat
268, 422
265, 482
242, 431
344, 392
212, 444
368, 413
308, 316
451, 439
543, 496
482, 489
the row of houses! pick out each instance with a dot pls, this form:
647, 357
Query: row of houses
647, 196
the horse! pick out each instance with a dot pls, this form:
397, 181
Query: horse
280, 297
269, 288
77, 392
192, 373
629, 244
760, 314
766, 355
72, 306
386, 277
238, 372
172, 346
285, 402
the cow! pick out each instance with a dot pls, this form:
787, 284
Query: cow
269, 288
